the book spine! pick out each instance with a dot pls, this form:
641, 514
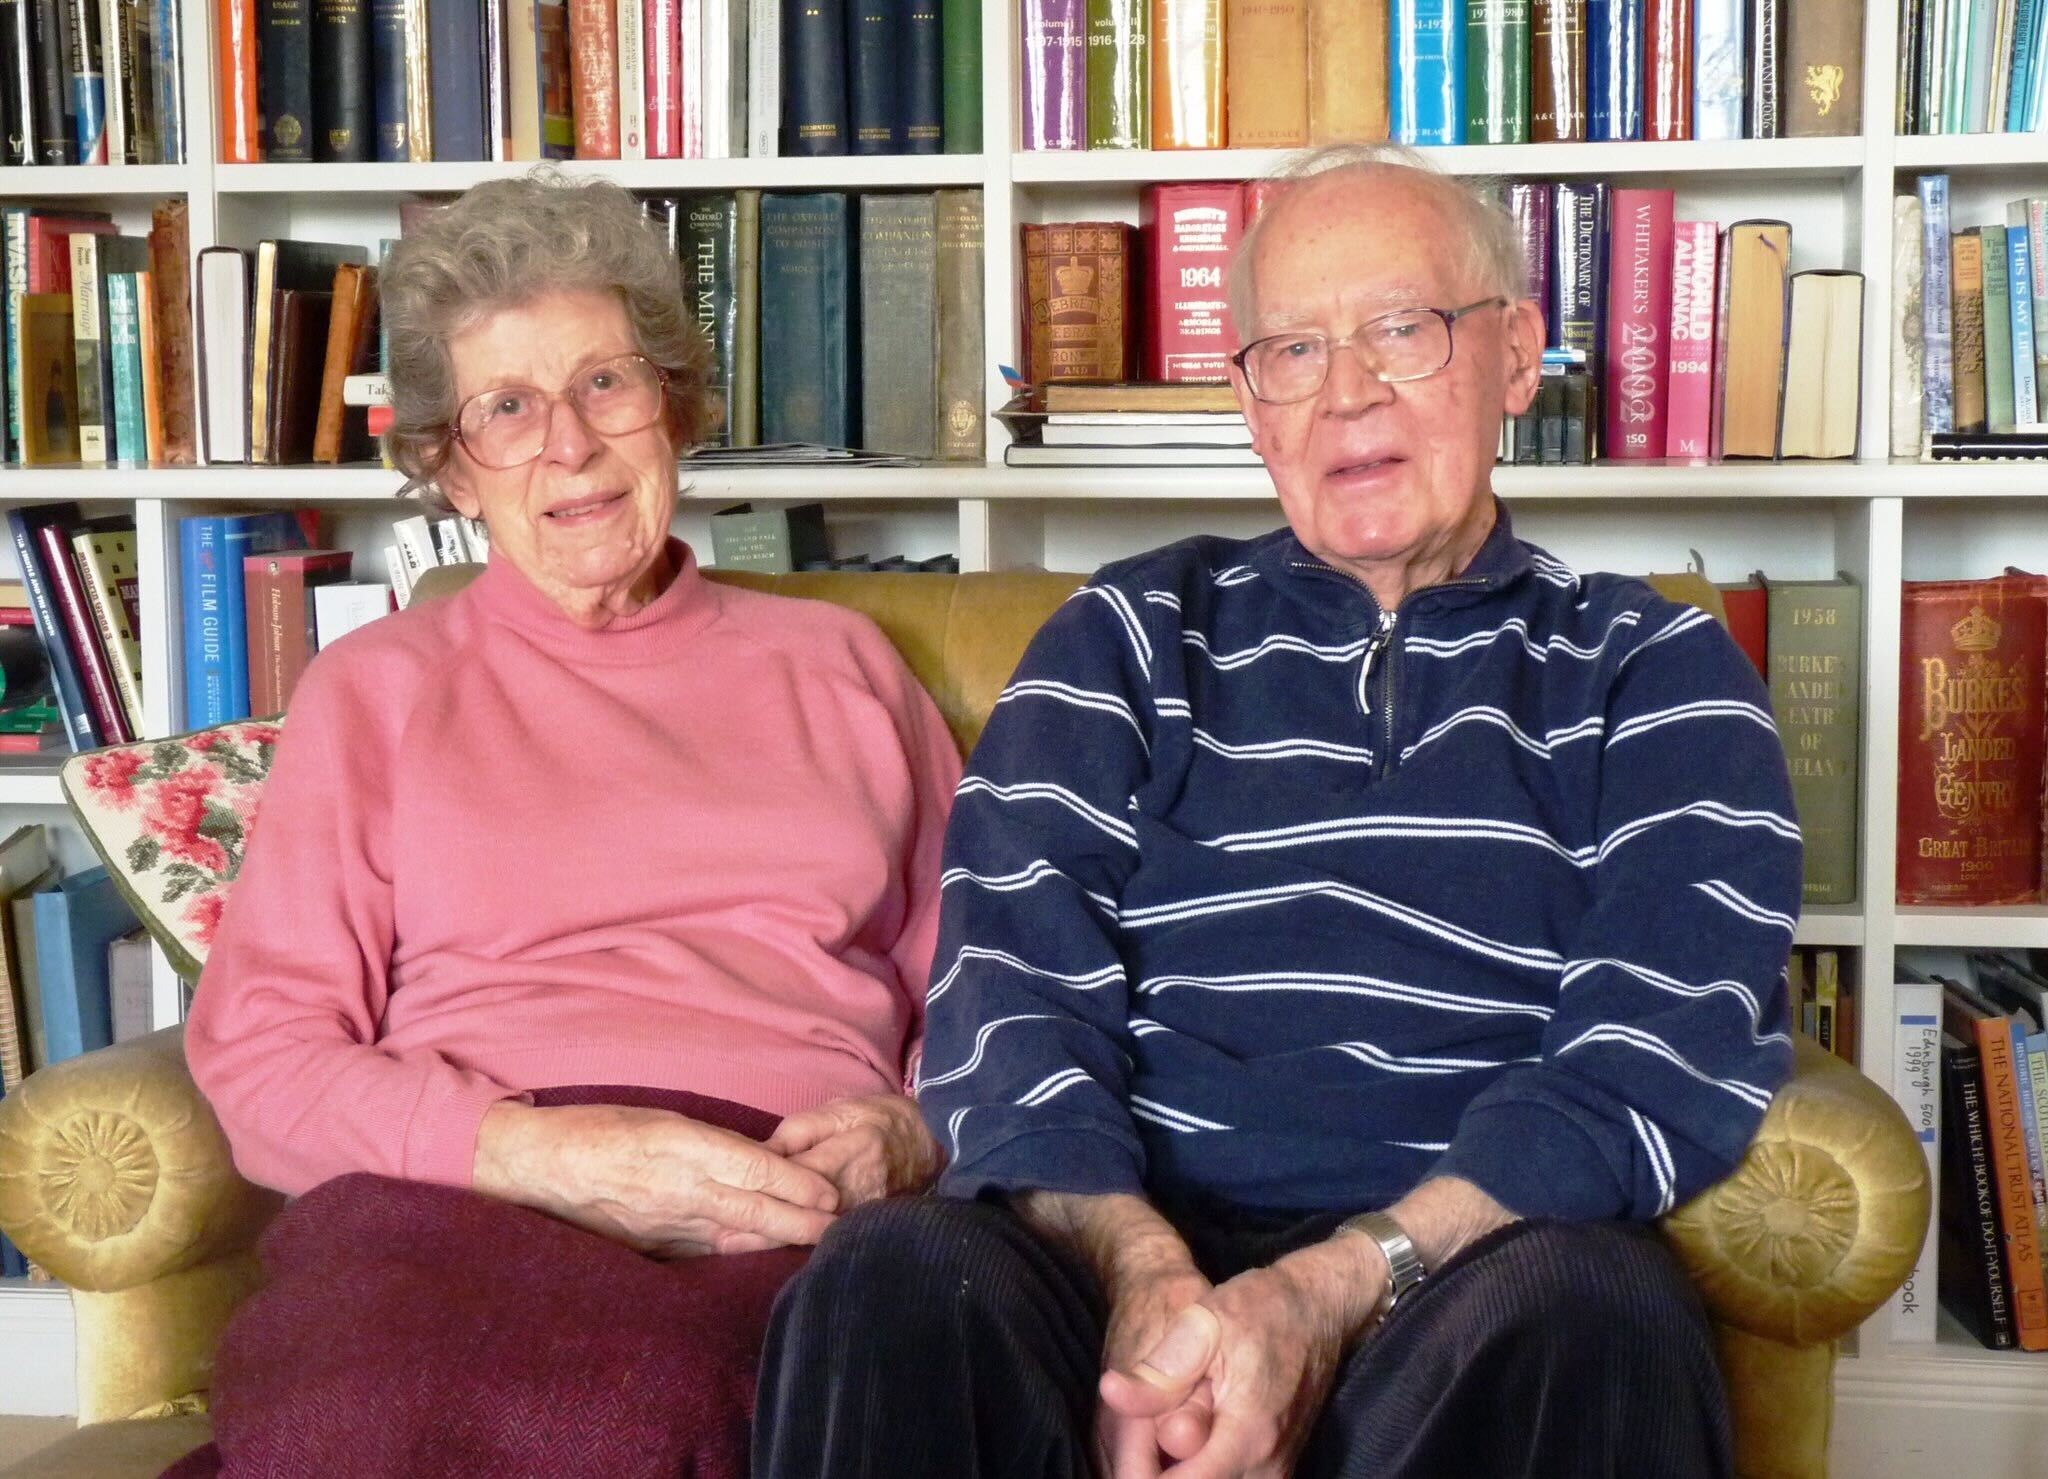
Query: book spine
88, 335
2037, 253
1187, 235
710, 250
1188, 65
1977, 56
960, 34
594, 77
1970, 742
1916, 1089
1814, 636
1580, 281
88, 84
1668, 69
1998, 409
632, 77
169, 35
259, 594
148, 330
1979, 1274
1614, 69
2026, 27
17, 86
765, 90
124, 351
1426, 71
898, 320
746, 354
1694, 257
387, 79
1966, 267
808, 393
2035, 1053
1119, 70
1266, 72
1908, 341
962, 413
1347, 71
661, 42
1079, 305
1763, 115
343, 93
876, 76
922, 120
14, 262
724, 68
109, 720
287, 82
106, 570
419, 81
2015, 1194
1937, 401
685, 82
64, 674
455, 63
814, 82
1638, 359
54, 141
170, 272
1531, 206
1497, 72
117, 65
2020, 279
2023, 1082
1824, 65
141, 102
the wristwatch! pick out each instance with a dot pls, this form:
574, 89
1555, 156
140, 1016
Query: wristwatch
1404, 1264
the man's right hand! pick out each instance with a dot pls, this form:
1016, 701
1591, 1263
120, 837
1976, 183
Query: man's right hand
659, 1182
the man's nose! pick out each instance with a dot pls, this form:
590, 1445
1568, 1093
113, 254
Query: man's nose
571, 443
1350, 386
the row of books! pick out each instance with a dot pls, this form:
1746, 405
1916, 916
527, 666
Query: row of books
81, 582
74, 972
404, 80
98, 335
1970, 336
1821, 993
91, 82
1970, 1069
776, 541
1971, 66
1205, 74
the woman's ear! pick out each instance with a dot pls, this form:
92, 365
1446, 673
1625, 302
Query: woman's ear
452, 479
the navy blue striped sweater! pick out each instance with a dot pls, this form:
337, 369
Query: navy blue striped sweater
1253, 891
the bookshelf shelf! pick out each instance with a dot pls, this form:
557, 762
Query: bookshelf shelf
1752, 158
907, 171
93, 181
1985, 929
29, 780
1969, 151
1830, 924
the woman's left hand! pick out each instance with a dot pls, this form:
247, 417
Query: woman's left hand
868, 1148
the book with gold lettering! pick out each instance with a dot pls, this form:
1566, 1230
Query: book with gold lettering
1267, 73
1971, 658
1814, 642
1079, 320
1966, 329
1187, 74
1822, 86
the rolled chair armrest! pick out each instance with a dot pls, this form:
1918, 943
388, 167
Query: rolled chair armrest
1823, 1219
114, 1172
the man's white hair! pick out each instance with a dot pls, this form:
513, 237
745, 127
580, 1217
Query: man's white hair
1479, 222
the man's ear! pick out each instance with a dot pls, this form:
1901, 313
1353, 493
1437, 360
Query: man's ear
1524, 330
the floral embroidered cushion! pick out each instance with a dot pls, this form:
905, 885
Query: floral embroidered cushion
171, 819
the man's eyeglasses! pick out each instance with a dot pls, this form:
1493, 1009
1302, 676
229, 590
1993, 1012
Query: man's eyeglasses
1411, 344
509, 426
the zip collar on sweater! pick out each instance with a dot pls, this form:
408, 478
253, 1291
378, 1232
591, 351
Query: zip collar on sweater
1312, 581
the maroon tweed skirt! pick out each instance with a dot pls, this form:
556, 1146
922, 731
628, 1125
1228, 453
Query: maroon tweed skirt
407, 1329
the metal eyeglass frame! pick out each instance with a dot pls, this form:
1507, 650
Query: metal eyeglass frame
1450, 317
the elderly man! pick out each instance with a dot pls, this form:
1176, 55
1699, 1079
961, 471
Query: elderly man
1352, 939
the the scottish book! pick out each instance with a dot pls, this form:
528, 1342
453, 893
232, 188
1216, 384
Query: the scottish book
1823, 80
809, 331
1815, 642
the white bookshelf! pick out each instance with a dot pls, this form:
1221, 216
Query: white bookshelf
1882, 521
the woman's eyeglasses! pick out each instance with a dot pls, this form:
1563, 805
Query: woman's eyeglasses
1412, 344
509, 426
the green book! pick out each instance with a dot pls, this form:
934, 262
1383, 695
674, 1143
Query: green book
899, 266
960, 65
1119, 74
1815, 646
1497, 71
1997, 331
745, 413
963, 391
127, 440
708, 246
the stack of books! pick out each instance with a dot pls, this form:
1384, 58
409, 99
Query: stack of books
1135, 425
91, 82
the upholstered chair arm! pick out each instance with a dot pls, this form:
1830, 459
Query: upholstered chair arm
114, 1172
1821, 1221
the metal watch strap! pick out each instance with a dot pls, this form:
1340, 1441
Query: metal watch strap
1404, 1265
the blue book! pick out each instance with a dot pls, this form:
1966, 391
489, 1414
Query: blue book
75, 923
387, 80
2037, 68
2019, 255
1614, 69
2026, 21
1426, 71
1976, 64
210, 553
12, 1264
88, 83
170, 73
1937, 369
128, 441
65, 678
1718, 64
2023, 1079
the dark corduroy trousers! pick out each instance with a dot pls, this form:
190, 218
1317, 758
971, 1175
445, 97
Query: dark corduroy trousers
935, 1339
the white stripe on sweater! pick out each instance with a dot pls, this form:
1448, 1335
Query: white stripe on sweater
1278, 642
981, 1038
1586, 728
1284, 749
1331, 984
1375, 1056
1121, 830
1577, 968
1081, 981
1706, 708
1649, 1042
1344, 829
1080, 698
1713, 811
1518, 627
1726, 894
1037, 871
1660, 1159
1174, 1119
1133, 627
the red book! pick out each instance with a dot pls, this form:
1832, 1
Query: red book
279, 616
241, 125
1749, 621
1689, 395
16, 616
1667, 69
81, 633
1186, 236
1971, 658
49, 248
663, 38
1638, 359
594, 77
690, 78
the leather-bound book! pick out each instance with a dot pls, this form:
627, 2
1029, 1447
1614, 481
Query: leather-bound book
279, 619
387, 81
350, 350
343, 90
963, 392
899, 268
288, 117
1266, 73
297, 359
1814, 639
594, 76
709, 228
1557, 68
1187, 74
1747, 605
300, 266
814, 81
1667, 69
1822, 87
1966, 265
170, 272
875, 81
1749, 338
1635, 384
1763, 114
1347, 71
1079, 302
1119, 74
921, 102
960, 41
1187, 234
455, 61
809, 390
1972, 654
1497, 72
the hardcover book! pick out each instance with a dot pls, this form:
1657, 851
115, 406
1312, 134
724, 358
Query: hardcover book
1908, 327
1937, 377
1530, 206
710, 248
1998, 407
2019, 247
1638, 359
2037, 253
899, 266
1971, 1273
745, 410
1916, 1089
350, 349
387, 81
48, 383
1187, 235
1119, 74
1695, 251
1823, 401
344, 93
66, 669
1971, 659
1426, 71
962, 425
1815, 642
1823, 83
1720, 69
1966, 1012
1079, 302
1763, 116
1749, 342
1580, 284
1497, 72
1347, 71
960, 38
216, 641
1266, 106
1966, 265
809, 392
105, 552
814, 78
279, 619
876, 75
75, 922
287, 82
1668, 69
1614, 72
920, 107
1055, 84
594, 76
1187, 74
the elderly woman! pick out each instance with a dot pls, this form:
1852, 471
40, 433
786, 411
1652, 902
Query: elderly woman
566, 891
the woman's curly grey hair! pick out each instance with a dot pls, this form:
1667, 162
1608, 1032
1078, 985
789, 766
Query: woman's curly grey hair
507, 242
1481, 227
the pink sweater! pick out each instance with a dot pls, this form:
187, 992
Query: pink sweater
698, 849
